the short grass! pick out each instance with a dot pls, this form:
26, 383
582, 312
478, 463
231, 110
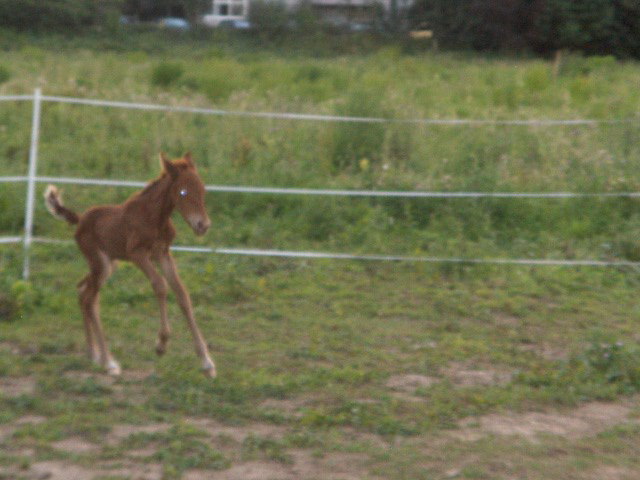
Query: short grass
309, 349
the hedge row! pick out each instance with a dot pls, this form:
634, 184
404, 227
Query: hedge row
57, 15
592, 26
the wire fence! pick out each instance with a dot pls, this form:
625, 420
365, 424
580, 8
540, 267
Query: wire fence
31, 179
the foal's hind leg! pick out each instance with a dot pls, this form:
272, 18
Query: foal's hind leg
89, 289
92, 347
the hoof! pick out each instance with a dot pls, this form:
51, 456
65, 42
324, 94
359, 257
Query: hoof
209, 370
113, 368
161, 343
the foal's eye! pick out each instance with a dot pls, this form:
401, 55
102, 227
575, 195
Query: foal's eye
183, 192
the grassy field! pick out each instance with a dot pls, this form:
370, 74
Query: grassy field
331, 369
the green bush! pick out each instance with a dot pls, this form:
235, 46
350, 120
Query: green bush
354, 142
165, 74
5, 74
15, 300
8, 307
217, 88
587, 25
305, 20
537, 78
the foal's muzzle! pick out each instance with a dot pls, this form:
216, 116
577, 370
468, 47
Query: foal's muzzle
200, 226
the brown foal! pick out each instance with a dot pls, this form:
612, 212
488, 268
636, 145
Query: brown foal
140, 231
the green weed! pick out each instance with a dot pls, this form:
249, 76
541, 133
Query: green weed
269, 448
183, 448
354, 142
166, 74
5, 74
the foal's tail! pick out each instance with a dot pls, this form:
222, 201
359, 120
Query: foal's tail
53, 202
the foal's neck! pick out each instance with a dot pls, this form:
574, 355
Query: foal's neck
157, 200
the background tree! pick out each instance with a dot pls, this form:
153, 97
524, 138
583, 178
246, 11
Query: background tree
590, 26
56, 15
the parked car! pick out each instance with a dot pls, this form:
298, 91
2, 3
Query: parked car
360, 27
235, 24
220, 21
128, 20
174, 23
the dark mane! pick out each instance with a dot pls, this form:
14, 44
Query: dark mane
151, 187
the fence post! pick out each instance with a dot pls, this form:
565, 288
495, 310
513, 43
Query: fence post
31, 180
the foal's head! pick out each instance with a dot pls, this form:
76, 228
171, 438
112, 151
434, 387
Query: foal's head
187, 192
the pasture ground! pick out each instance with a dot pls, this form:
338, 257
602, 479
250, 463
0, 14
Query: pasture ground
331, 369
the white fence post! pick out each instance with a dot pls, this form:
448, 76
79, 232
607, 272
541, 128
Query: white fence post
31, 180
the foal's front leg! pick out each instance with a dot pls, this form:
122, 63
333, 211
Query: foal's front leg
159, 285
170, 271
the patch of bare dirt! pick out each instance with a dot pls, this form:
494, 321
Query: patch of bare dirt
7, 429
289, 406
480, 378
304, 465
548, 352
587, 420
10, 347
333, 466
121, 432
245, 471
502, 319
609, 472
236, 432
32, 419
16, 386
365, 438
140, 453
404, 386
59, 470
410, 382
75, 445
429, 344
55, 470
468, 376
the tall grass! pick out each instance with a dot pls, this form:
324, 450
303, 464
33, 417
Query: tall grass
312, 347
117, 143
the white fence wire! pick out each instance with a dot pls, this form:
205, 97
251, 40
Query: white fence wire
32, 178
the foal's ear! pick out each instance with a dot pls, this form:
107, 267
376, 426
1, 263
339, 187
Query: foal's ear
187, 158
168, 166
